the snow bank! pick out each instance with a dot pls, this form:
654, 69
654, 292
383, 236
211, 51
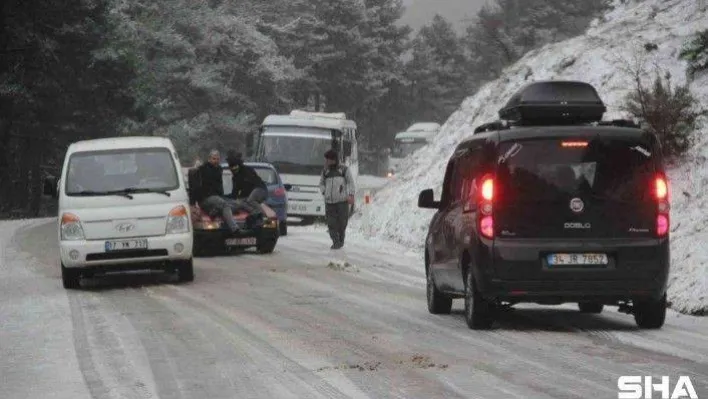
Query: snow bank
598, 58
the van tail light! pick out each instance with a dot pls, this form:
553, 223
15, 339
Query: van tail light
485, 206
279, 192
661, 193
661, 188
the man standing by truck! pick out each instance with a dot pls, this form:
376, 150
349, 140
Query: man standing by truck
337, 187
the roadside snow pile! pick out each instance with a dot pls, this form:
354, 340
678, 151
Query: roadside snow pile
599, 58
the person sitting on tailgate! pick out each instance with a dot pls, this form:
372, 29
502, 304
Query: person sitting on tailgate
244, 179
249, 190
212, 191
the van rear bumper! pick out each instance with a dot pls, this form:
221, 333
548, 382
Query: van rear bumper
517, 270
564, 291
92, 253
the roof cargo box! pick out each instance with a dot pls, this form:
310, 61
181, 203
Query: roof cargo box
554, 102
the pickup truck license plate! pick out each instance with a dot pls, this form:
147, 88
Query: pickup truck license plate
122, 245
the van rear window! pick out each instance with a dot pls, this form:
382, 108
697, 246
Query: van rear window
547, 169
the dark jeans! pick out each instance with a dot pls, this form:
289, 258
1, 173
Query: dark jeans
337, 218
216, 205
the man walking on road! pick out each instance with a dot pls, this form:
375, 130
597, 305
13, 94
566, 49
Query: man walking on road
337, 187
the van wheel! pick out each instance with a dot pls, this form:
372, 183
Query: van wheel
479, 313
185, 271
650, 314
438, 303
70, 278
590, 307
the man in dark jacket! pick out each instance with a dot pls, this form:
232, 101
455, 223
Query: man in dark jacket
249, 191
244, 178
337, 187
211, 190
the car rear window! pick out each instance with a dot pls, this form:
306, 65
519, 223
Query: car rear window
547, 169
267, 175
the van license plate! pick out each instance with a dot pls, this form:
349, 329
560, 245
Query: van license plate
297, 208
238, 242
123, 245
577, 259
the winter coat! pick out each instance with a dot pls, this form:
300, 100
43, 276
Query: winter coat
211, 181
337, 184
245, 181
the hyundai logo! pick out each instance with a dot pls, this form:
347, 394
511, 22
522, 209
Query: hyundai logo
577, 205
125, 227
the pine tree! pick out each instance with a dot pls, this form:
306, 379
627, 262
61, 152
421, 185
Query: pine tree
437, 72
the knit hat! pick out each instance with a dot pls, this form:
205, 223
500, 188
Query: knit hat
234, 159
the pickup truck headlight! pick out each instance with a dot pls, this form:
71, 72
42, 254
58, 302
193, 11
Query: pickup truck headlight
177, 221
71, 229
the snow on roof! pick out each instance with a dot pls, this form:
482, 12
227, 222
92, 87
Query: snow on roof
424, 127
121, 142
419, 134
336, 121
591, 58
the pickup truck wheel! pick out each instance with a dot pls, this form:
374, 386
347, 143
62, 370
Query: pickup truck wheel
479, 313
438, 303
650, 314
185, 271
590, 307
70, 278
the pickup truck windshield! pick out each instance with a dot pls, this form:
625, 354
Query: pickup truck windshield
132, 170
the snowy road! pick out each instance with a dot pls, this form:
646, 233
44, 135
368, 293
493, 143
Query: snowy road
293, 325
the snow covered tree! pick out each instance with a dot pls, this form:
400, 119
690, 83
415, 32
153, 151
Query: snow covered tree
696, 53
437, 72
507, 29
57, 85
206, 74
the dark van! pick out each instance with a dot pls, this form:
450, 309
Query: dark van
551, 205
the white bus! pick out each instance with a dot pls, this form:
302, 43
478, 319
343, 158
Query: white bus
295, 144
414, 138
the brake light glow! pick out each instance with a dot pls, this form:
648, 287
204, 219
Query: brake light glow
488, 189
486, 226
661, 192
662, 224
661, 188
279, 192
486, 208
574, 144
